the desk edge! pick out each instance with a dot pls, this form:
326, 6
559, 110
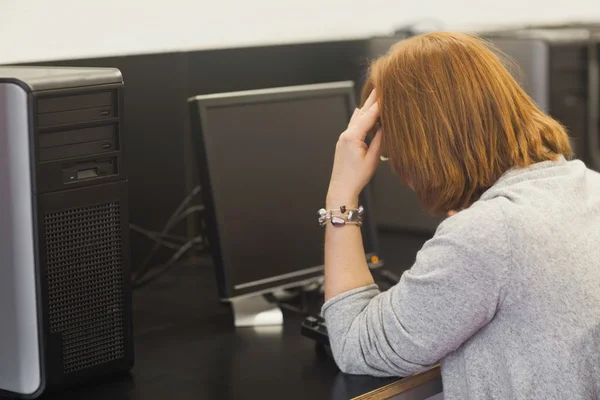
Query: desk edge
401, 385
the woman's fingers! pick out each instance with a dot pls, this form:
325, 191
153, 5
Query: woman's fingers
354, 114
370, 100
364, 122
368, 103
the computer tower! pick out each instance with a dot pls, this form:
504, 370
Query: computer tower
559, 69
65, 292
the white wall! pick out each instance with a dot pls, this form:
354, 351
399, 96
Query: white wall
38, 30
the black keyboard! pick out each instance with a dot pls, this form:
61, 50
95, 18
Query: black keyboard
314, 328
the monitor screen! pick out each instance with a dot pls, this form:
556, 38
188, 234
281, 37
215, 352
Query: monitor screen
267, 159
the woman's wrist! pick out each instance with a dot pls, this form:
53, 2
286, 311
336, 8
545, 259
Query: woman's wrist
335, 201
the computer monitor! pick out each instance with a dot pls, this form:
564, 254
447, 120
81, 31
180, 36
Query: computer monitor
265, 159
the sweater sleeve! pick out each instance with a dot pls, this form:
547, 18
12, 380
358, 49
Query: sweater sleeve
453, 290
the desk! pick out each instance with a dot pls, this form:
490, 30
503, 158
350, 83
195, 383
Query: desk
187, 348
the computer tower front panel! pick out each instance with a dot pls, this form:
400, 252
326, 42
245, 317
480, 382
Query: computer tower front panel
83, 233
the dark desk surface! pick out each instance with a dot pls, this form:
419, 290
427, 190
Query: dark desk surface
187, 348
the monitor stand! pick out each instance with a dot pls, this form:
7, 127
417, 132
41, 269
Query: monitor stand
255, 311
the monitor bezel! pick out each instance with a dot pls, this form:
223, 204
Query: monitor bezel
198, 107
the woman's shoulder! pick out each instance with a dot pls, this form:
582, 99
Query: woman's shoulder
482, 219
475, 238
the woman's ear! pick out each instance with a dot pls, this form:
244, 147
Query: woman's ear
451, 213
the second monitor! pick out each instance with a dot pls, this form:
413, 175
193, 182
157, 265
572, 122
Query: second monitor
265, 162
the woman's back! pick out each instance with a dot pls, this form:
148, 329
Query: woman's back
507, 293
544, 341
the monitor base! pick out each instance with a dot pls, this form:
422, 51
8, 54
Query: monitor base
255, 311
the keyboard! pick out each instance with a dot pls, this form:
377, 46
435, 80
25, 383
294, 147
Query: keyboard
314, 328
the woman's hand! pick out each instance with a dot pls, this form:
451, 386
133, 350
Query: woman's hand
355, 162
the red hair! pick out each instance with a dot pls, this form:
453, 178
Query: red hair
454, 119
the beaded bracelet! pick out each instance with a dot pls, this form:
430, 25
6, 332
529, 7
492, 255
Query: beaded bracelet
342, 216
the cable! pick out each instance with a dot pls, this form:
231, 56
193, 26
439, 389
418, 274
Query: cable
184, 214
165, 268
176, 240
154, 237
171, 222
191, 210
168, 265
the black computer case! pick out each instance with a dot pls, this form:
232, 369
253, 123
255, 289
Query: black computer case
79, 200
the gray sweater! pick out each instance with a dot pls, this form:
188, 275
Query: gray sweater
506, 295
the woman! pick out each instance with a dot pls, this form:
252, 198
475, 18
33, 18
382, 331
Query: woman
507, 293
